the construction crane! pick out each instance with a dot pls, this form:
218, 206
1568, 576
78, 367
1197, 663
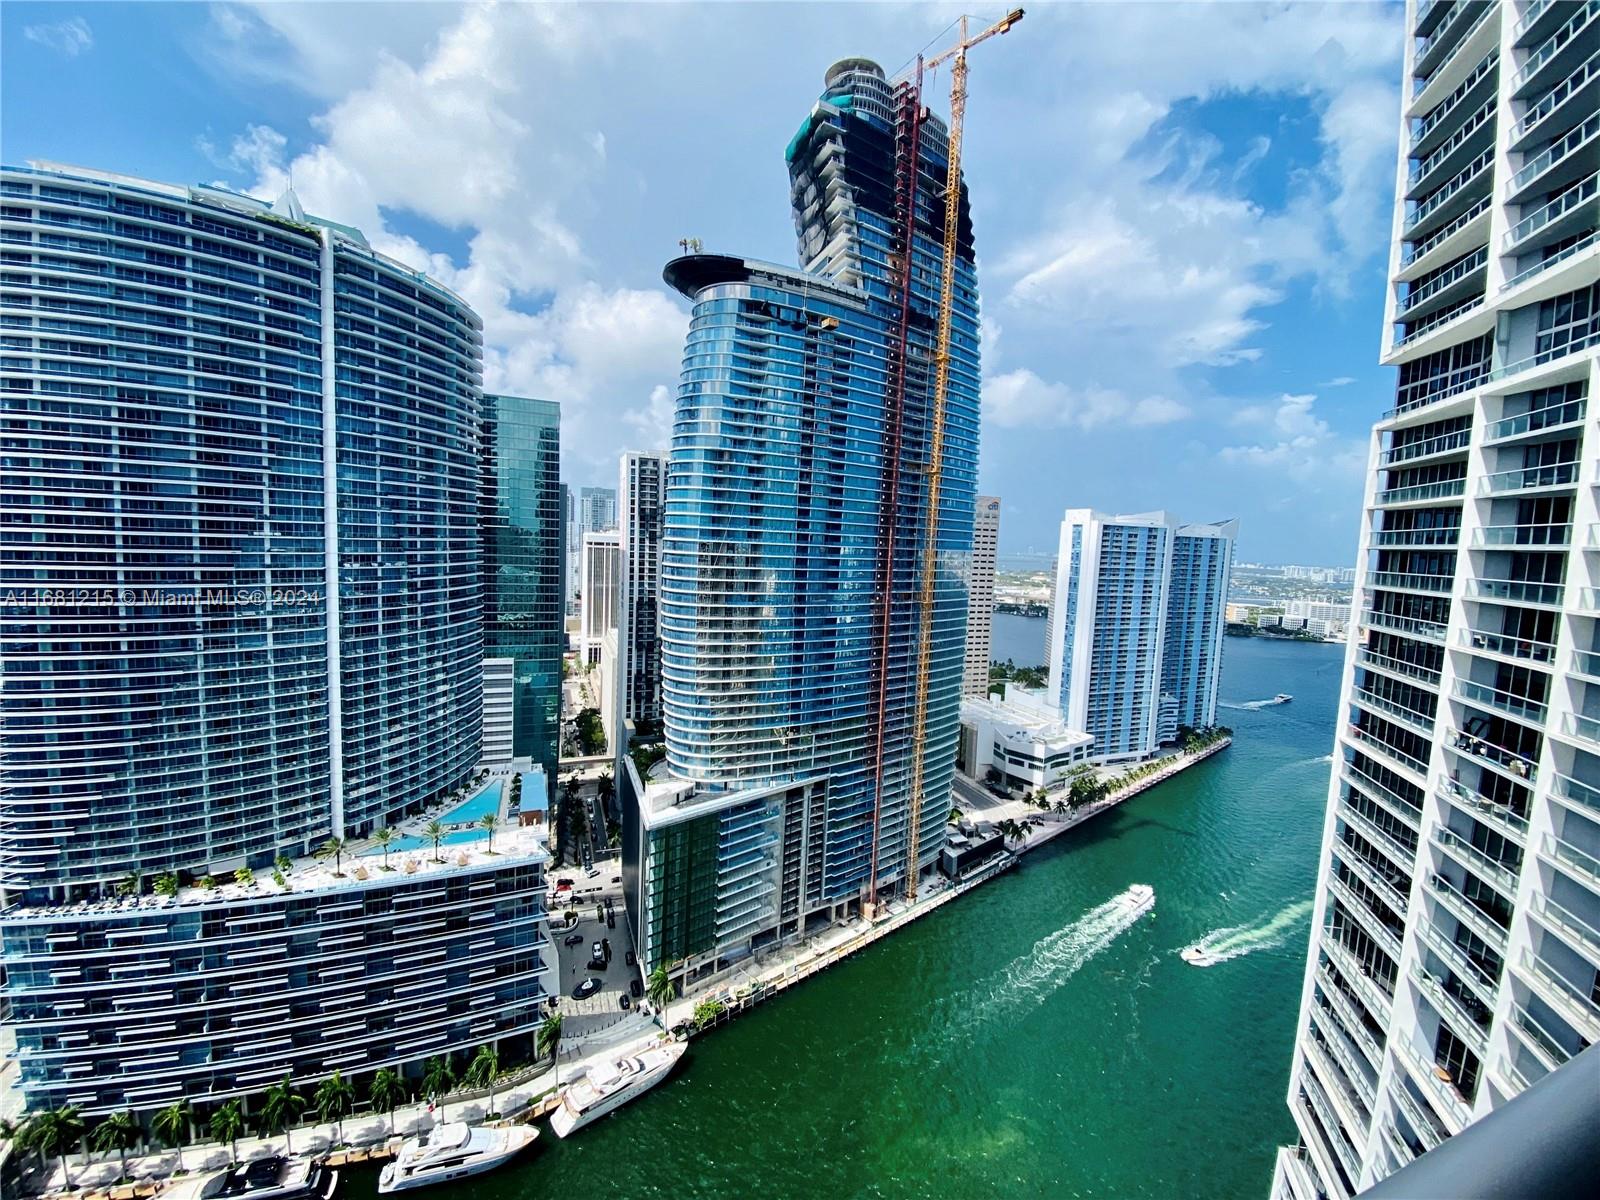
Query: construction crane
941, 390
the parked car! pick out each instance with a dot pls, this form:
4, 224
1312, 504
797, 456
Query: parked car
624, 1001
586, 989
592, 873
629, 959
636, 988
572, 939
611, 921
563, 881
598, 953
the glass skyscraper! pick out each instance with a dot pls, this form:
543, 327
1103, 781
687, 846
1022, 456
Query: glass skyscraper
242, 615
795, 525
521, 523
1455, 949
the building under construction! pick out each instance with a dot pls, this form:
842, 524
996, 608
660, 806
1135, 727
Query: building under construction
817, 532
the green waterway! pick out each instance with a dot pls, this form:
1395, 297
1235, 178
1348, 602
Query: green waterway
1023, 1040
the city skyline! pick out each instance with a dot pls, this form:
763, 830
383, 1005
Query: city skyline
1262, 178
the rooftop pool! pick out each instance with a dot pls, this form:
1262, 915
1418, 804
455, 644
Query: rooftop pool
473, 810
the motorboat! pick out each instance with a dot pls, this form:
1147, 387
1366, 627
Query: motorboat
592, 1092
1282, 698
1139, 899
1197, 956
274, 1178
453, 1151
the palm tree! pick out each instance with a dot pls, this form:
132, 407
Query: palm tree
174, 1125
333, 848
53, 1133
658, 989
437, 1077
387, 1091
384, 837
226, 1124
434, 832
481, 1071
119, 1132
280, 1108
489, 821
335, 1098
548, 1039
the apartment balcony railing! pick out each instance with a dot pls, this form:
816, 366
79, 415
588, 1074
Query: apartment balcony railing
1433, 631
1445, 489
1453, 383
1586, 663
1383, 883
1460, 961
1349, 1016
1371, 658
1452, 1010
1530, 14
1411, 581
1584, 729
1404, 810
1361, 912
1447, 107
1375, 994
1553, 45
1552, 416
1424, 1126
1557, 96
1448, 192
1578, 862
1539, 268
1475, 262
1589, 601
1518, 591
1558, 152
1446, 536
1523, 479
1374, 833
1545, 1048
1337, 1136
1389, 752
1522, 535
1506, 702
1465, 853
1435, 41
1437, 1081
1568, 923
1506, 819
1569, 200
1415, 330
1510, 647
1421, 722
1294, 1165
1354, 1112
1443, 444
1475, 122
1469, 914
1574, 1003
1438, 237
1581, 794
1454, 52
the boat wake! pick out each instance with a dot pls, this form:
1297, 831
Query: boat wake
1251, 705
1235, 941
1029, 979
1320, 760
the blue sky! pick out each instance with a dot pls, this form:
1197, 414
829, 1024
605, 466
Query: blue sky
1181, 209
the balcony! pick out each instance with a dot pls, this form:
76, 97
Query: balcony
1404, 859
1460, 961
1545, 1048
1578, 863
1528, 479
1521, 535
1469, 914
1374, 994
1586, 663
1432, 631
1506, 702
1506, 646
1551, 50
1456, 283
1454, 1010
1555, 260
1338, 1137
1574, 1003
1437, 1081
1361, 912
1395, 666
1501, 816
1431, 128
1349, 1016
1479, 124
1386, 884
1353, 1112
1426, 1127
1443, 444
1448, 65
1549, 418
1410, 581
1569, 925
1576, 87
1372, 702
1577, 200
1452, 198
1583, 730
1470, 225
1394, 755
1517, 591
1565, 160
1566, 788
1464, 852
1421, 493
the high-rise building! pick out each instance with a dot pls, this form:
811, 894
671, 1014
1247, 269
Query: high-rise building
602, 588
1137, 621
641, 493
243, 617
597, 510
796, 532
520, 521
571, 548
980, 591
1456, 937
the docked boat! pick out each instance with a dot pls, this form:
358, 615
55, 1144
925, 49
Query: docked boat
275, 1178
1139, 899
1282, 698
592, 1092
452, 1151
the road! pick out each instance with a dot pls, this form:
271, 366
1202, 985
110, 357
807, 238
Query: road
582, 1018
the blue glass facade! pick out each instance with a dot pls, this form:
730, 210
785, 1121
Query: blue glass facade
215, 414
793, 537
523, 581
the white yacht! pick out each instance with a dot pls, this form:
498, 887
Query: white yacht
275, 1178
1139, 898
1196, 956
452, 1151
592, 1092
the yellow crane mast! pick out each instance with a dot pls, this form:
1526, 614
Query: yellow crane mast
941, 358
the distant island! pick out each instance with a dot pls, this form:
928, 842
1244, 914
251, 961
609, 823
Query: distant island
1023, 609
1241, 629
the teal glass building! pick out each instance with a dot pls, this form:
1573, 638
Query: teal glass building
523, 582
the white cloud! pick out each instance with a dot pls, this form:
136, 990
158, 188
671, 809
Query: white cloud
1337, 381
1020, 399
71, 37
1295, 439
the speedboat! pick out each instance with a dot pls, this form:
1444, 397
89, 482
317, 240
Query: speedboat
592, 1092
1196, 956
1139, 899
1282, 698
452, 1151
275, 1178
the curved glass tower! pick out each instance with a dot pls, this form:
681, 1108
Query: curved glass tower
794, 531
